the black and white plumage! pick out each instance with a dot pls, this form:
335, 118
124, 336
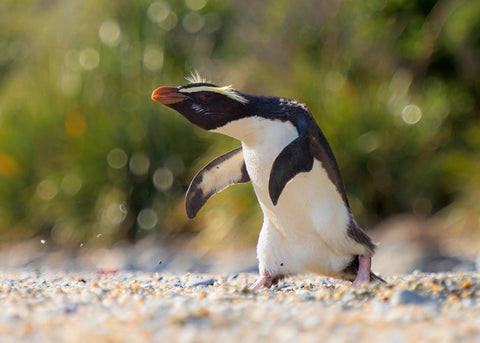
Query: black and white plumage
308, 225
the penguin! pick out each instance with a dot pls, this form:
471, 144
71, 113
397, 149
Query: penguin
308, 225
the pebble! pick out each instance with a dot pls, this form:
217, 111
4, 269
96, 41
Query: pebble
200, 282
153, 307
410, 297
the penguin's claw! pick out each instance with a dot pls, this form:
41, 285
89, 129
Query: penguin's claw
363, 274
263, 281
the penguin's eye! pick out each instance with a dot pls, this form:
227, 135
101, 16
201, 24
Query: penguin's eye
203, 97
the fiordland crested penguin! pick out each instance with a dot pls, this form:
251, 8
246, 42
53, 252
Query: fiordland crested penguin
308, 225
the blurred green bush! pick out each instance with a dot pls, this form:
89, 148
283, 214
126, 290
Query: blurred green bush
87, 158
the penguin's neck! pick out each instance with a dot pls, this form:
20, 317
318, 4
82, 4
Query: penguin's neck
260, 133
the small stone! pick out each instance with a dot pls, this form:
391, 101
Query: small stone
70, 308
410, 297
204, 282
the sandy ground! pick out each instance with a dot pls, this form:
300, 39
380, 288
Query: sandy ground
144, 293
117, 306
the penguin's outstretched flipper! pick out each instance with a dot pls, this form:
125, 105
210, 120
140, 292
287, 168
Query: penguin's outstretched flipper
226, 170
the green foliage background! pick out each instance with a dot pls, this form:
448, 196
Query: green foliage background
87, 158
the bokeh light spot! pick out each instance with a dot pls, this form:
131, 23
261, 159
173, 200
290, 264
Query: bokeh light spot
158, 11
117, 158
193, 22
8, 165
109, 33
195, 5
163, 179
89, 59
139, 164
153, 58
369, 141
47, 189
169, 23
75, 125
411, 114
114, 214
71, 184
147, 219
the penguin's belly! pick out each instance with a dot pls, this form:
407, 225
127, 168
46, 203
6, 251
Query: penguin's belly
313, 219
308, 224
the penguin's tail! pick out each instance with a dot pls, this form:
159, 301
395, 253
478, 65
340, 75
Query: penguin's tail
374, 277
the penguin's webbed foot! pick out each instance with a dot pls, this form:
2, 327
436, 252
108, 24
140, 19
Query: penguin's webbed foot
264, 280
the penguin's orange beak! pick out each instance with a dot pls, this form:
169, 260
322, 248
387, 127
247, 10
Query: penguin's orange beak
167, 95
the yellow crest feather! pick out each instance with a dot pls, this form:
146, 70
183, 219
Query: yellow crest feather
195, 77
226, 90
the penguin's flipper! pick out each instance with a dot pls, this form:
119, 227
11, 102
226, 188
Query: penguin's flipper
295, 158
222, 172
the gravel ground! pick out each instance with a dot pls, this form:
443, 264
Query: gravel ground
117, 306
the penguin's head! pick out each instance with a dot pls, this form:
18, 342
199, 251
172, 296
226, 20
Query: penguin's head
204, 104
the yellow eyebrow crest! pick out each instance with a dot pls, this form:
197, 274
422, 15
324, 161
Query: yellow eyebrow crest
226, 90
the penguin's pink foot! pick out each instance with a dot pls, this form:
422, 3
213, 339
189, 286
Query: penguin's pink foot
263, 281
363, 274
